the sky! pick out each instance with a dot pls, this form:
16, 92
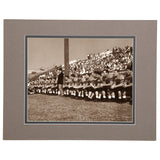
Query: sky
46, 52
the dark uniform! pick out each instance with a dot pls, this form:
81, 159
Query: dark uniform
60, 83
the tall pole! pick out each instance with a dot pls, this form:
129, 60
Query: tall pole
66, 56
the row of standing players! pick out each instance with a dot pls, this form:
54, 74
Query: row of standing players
118, 90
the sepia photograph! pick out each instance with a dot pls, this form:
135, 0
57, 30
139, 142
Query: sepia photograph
79, 79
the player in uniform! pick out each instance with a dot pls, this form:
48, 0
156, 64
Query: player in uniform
105, 89
50, 87
90, 90
31, 88
127, 93
98, 90
75, 91
36, 86
79, 90
65, 88
119, 87
85, 86
113, 90
39, 88
90, 87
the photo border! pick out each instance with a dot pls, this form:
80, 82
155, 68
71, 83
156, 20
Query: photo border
79, 122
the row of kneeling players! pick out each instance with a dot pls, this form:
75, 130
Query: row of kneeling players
95, 90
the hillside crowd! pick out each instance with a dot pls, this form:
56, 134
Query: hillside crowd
105, 76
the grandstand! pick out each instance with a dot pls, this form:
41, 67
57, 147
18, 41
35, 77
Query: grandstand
97, 70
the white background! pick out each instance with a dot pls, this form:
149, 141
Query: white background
82, 9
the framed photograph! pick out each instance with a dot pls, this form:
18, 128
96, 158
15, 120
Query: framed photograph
84, 80
79, 79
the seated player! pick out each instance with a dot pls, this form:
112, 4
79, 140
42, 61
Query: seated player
112, 95
128, 89
72, 89
65, 89
31, 89
106, 84
75, 92
91, 90
47, 87
119, 86
79, 90
98, 90
85, 86
65, 86
56, 88
52, 86
90, 87
36, 86
68, 92
39, 88
49, 90
44, 90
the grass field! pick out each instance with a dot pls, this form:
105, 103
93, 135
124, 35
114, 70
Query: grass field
57, 108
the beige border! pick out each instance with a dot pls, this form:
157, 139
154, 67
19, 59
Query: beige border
14, 80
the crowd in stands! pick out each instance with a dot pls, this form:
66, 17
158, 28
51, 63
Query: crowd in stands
105, 76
